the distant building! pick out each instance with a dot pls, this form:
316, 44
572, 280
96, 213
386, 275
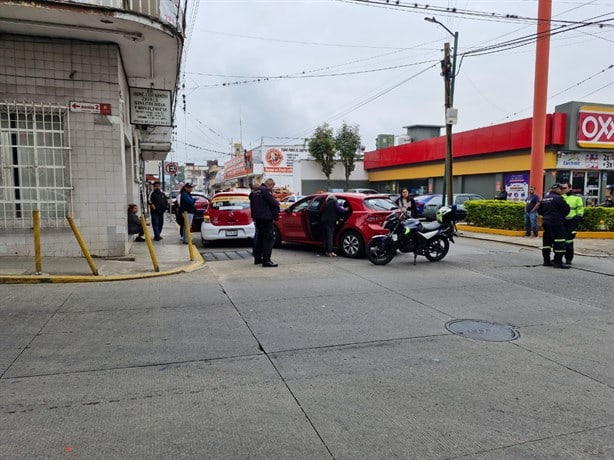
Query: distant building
579, 149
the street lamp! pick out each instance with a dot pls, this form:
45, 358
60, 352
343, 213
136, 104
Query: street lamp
449, 75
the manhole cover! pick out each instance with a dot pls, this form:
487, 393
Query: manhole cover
482, 330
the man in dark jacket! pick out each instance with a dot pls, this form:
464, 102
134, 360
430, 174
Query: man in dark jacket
553, 208
265, 209
331, 212
157, 205
186, 204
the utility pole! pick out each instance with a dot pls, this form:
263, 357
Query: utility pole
540, 96
446, 71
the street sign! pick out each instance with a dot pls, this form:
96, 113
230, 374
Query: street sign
171, 168
150, 107
90, 107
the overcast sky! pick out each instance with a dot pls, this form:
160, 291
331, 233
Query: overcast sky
374, 66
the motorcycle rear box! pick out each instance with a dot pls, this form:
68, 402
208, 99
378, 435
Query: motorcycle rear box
453, 215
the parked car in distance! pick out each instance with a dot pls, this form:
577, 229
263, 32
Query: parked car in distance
366, 191
201, 205
289, 200
300, 223
421, 200
228, 217
435, 202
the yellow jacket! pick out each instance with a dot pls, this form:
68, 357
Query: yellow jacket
576, 206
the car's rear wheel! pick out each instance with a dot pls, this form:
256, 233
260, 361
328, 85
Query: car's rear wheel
351, 244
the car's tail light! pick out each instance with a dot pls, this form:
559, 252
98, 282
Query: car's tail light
206, 218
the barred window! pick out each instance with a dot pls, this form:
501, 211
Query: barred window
34, 165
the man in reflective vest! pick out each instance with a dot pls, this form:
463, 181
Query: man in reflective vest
572, 220
554, 209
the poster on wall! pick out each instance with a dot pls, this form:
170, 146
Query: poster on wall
280, 160
517, 186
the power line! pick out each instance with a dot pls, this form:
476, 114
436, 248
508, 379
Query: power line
413, 7
291, 77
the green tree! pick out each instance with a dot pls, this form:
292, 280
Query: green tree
322, 147
348, 145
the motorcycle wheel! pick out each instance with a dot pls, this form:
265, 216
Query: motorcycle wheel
378, 254
437, 249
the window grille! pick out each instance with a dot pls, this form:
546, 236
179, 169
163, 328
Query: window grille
34, 165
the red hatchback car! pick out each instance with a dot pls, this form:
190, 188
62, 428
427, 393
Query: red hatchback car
300, 223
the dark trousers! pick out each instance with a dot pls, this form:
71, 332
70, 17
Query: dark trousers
329, 231
553, 239
570, 234
264, 240
157, 222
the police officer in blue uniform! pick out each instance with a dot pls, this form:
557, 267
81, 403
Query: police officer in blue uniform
553, 208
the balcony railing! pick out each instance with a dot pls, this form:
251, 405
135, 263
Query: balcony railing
170, 12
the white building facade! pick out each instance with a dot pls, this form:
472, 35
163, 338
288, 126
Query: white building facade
86, 97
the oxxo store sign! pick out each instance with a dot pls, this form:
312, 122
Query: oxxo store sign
595, 127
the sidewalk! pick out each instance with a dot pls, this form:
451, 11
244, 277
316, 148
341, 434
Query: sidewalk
173, 257
583, 246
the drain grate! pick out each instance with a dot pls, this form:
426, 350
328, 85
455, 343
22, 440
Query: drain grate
478, 329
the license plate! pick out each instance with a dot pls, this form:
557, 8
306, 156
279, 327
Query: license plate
232, 232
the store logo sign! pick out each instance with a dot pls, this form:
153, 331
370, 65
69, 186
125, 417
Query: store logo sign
596, 127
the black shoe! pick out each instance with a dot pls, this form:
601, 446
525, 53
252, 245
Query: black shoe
139, 239
157, 238
547, 264
257, 261
560, 266
269, 264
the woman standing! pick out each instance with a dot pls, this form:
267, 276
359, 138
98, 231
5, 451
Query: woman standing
407, 204
330, 214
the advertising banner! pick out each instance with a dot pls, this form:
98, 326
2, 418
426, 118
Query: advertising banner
239, 166
280, 160
599, 160
517, 186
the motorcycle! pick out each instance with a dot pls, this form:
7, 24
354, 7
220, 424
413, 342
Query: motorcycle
431, 240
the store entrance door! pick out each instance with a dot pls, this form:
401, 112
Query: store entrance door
591, 189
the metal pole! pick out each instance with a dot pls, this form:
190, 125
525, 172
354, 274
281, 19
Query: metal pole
446, 71
449, 73
36, 222
540, 96
152, 251
82, 245
449, 124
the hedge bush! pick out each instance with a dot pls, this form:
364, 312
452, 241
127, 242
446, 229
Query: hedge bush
509, 215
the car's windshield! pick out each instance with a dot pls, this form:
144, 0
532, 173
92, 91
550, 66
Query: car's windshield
230, 202
380, 204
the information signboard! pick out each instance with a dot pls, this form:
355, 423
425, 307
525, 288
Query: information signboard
150, 107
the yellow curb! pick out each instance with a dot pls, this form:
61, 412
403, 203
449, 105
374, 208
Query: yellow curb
596, 235
491, 231
499, 231
34, 279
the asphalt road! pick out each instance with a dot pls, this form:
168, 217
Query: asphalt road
319, 358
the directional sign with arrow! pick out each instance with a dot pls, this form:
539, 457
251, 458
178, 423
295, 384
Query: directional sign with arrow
90, 107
